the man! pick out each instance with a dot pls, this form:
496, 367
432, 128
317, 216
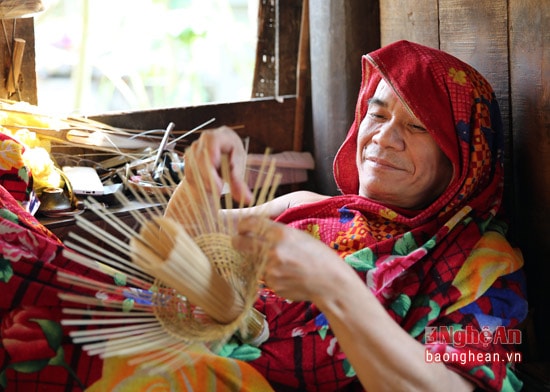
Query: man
421, 177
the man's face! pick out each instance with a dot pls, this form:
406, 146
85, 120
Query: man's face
398, 161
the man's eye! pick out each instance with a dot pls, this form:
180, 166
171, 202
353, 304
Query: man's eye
376, 115
418, 128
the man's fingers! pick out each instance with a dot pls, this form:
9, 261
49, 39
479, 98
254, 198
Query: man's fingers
207, 153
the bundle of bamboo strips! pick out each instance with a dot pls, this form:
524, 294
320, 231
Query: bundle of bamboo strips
184, 283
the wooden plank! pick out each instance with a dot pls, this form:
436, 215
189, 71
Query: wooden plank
276, 57
268, 122
340, 32
530, 92
264, 70
24, 29
477, 33
415, 21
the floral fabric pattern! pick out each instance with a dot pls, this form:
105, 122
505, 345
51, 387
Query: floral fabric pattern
36, 351
14, 175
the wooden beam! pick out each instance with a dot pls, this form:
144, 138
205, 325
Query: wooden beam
268, 122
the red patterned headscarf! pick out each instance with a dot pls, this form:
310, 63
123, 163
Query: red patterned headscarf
458, 107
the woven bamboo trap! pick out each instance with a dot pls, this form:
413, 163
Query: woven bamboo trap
176, 286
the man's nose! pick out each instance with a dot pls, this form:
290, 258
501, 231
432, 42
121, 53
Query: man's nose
390, 135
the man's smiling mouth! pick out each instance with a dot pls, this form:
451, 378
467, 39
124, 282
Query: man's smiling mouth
382, 163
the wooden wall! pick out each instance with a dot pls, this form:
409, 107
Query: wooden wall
509, 42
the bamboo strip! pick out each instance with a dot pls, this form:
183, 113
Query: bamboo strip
112, 336
84, 282
124, 342
102, 235
98, 332
114, 221
202, 210
114, 262
189, 271
75, 322
259, 177
159, 356
143, 198
92, 301
91, 312
135, 349
268, 179
172, 361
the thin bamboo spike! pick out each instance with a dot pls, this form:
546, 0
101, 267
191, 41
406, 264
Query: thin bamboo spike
84, 282
158, 356
226, 176
259, 178
75, 322
170, 362
91, 312
114, 221
201, 217
161, 235
246, 175
106, 331
168, 182
273, 188
95, 265
87, 283
216, 205
92, 301
204, 124
138, 216
122, 334
208, 214
125, 341
275, 185
138, 195
187, 213
137, 348
101, 234
117, 264
159, 194
192, 213
268, 179
144, 198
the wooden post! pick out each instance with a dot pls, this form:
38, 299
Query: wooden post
15, 70
17, 51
